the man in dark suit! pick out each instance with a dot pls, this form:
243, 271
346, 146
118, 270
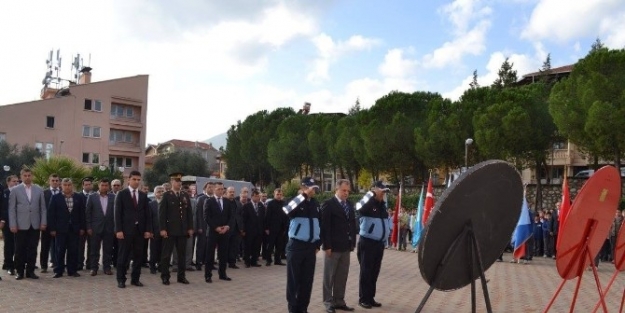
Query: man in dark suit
200, 251
100, 221
116, 186
132, 226
156, 242
338, 236
253, 215
176, 224
27, 218
85, 243
219, 215
9, 237
66, 216
234, 246
48, 250
275, 227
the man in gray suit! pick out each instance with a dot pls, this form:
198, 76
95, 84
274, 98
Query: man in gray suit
99, 217
27, 217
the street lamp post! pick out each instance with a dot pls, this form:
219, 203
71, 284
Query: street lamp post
6, 169
467, 143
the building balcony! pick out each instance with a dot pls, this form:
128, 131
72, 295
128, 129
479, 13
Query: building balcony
125, 147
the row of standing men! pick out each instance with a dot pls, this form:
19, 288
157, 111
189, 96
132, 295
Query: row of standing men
68, 216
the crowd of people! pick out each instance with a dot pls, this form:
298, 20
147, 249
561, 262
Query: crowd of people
108, 226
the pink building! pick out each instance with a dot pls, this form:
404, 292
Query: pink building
99, 123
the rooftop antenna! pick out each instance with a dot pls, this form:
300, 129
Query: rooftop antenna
53, 69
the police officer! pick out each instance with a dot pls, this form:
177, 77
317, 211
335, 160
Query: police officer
176, 224
374, 230
303, 245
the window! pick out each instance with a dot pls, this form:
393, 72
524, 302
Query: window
3, 136
91, 131
123, 111
49, 121
127, 137
97, 106
86, 131
85, 157
128, 162
559, 145
88, 104
39, 146
96, 132
129, 112
95, 158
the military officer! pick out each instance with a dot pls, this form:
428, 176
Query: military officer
176, 223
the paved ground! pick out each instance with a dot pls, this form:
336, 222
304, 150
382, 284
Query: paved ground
513, 288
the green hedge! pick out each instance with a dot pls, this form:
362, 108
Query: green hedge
408, 201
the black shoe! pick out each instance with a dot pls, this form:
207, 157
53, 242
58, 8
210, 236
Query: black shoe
198, 267
376, 304
121, 284
365, 305
234, 266
190, 269
94, 272
268, 264
183, 281
32, 276
11, 272
344, 308
136, 283
57, 275
166, 281
226, 278
247, 266
330, 310
208, 280
44, 270
19, 277
256, 265
74, 275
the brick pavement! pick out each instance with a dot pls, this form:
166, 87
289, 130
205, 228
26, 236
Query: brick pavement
513, 288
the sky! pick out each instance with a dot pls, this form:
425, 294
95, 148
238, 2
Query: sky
214, 62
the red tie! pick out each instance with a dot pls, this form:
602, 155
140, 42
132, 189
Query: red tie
134, 198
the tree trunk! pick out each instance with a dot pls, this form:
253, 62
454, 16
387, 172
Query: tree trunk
539, 188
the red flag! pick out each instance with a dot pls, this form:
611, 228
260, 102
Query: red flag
565, 207
429, 202
395, 234
519, 252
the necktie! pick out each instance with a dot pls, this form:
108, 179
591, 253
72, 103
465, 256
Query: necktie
54, 191
134, 198
256, 208
219, 203
345, 208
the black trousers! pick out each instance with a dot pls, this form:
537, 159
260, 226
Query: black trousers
275, 245
105, 241
370, 253
115, 252
9, 248
26, 242
67, 243
82, 261
48, 251
300, 271
215, 240
234, 247
156, 246
200, 249
251, 250
169, 243
130, 248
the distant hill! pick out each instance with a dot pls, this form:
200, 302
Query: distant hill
218, 141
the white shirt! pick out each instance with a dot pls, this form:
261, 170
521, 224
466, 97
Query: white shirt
104, 201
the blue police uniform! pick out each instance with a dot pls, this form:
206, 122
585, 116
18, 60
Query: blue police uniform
304, 241
374, 231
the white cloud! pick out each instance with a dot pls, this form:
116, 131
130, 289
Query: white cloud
330, 51
564, 20
395, 65
471, 21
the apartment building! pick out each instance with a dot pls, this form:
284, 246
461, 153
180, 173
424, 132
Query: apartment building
94, 123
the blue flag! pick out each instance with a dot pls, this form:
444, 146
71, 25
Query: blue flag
523, 231
418, 224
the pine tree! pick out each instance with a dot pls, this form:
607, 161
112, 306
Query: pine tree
474, 84
506, 76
